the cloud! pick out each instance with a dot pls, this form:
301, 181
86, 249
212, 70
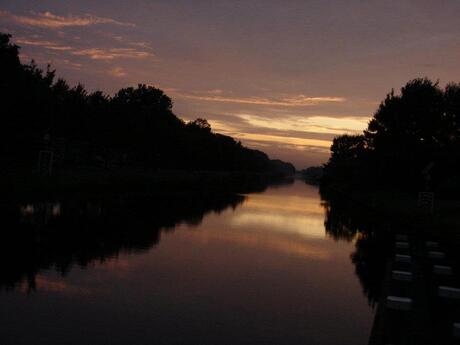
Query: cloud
292, 140
117, 72
67, 63
311, 124
215, 92
298, 143
299, 101
113, 53
92, 53
288, 131
145, 45
291, 101
53, 21
45, 44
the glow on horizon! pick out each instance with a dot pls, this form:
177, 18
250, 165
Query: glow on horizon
296, 142
315, 124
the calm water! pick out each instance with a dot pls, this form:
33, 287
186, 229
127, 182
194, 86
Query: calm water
258, 270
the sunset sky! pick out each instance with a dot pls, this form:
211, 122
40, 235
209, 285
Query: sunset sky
281, 76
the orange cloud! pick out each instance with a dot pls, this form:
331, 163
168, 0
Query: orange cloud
285, 140
113, 53
292, 101
294, 141
312, 124
69, 63
117, 72
92, 53
53, 21
44, 44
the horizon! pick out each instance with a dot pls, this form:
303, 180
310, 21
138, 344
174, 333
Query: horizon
284, 79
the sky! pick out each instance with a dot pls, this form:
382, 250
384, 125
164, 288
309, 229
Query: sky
282, 76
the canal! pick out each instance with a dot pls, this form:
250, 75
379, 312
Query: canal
260, 268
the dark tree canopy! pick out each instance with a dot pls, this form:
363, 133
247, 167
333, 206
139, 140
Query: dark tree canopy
135, 128
411, 142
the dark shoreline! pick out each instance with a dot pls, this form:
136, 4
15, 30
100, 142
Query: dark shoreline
76, 219
377, 218
130, 181
398, 207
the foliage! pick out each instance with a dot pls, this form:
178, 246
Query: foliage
136, 127
411, 142
312, 175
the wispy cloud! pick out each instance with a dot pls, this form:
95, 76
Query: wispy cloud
299, 143
311, 124
69, 63
43, 43
289, 139
92, 53
128, 41
117, 72
53, 21
290, 101
113, 53
145, 45
215, 92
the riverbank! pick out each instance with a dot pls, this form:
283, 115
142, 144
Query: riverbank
401, 208
390, 224
129, 181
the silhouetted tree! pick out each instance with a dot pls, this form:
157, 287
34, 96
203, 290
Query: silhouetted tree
201, 124
411, 142
136, 127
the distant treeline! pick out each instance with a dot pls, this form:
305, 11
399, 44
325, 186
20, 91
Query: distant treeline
134, 128
412, 143
312, 175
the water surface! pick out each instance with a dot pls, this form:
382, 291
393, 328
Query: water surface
254, 270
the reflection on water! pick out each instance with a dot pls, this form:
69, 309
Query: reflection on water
432, 316
253, 269
62, 234
348, 221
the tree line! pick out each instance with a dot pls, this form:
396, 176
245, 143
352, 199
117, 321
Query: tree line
136, 127
411, 143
